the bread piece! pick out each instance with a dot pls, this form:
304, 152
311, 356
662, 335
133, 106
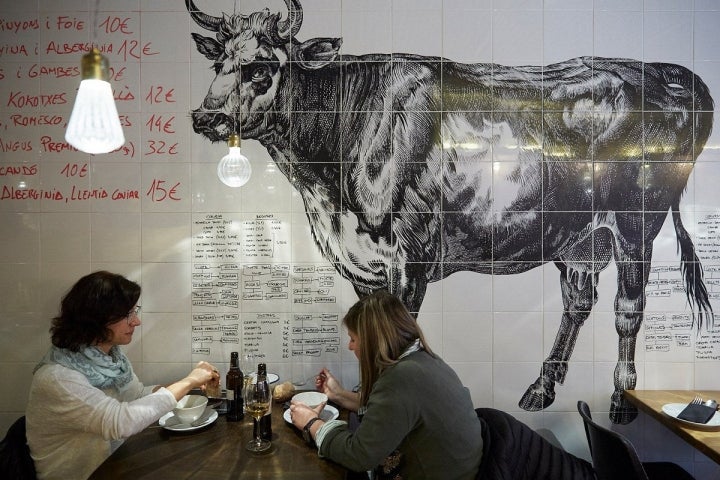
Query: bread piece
283, 392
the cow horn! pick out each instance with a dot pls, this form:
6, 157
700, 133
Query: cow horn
288, 28
206, 21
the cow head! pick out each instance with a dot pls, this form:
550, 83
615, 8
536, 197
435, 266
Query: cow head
249, 55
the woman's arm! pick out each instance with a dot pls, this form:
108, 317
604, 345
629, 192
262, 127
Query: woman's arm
392, 412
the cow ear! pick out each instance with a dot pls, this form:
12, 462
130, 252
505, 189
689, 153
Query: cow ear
209, 47
316, 52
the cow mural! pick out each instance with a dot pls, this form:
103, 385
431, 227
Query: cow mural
404, 168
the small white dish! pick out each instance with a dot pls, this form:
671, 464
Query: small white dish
674, 409
311, 399
169, 422
271, 377
328, 413
190, 408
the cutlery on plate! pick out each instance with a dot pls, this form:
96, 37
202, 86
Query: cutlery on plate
697, 400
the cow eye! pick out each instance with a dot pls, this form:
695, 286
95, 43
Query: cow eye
260, 72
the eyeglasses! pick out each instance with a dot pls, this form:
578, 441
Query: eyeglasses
133, 314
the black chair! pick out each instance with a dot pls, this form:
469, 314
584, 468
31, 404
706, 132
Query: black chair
514, 451
15, 459
615, 458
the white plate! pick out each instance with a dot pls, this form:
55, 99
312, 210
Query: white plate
674, 409
328, 413
271, 377
168, 420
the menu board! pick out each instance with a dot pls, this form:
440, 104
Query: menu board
235, 270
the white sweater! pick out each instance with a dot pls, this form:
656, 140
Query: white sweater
72, 427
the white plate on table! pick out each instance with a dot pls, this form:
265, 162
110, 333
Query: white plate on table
169, 422
674, 409
271, 377
328, 413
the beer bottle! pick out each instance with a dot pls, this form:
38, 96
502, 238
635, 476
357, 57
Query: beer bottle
234, 387
265, 423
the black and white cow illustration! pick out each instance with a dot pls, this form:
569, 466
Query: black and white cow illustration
412, 168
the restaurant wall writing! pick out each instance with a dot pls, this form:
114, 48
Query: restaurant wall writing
245, 293
38, 81
242, 297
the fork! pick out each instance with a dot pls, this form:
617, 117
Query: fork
307, 380
697, 400
301, 383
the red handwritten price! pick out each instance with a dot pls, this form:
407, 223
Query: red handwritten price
158, 123
160, 147
74, 170
133, 49
116, 24
160, 95
159, 191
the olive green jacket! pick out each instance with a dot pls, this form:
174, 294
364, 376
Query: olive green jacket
420, 407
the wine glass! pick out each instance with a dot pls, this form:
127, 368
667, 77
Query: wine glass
256, 396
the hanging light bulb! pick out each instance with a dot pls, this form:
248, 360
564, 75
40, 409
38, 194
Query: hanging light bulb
234, 168
94, 125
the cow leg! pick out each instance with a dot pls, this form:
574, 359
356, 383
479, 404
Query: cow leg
629, 308
579, 296
409, 284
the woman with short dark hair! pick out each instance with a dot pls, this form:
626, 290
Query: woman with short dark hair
418, 420
85, 398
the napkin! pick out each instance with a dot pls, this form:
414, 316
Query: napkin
697, 413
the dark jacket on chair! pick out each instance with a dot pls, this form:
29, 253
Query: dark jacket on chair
514, 451
15, 460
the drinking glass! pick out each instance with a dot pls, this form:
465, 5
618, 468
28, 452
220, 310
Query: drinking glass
256, 396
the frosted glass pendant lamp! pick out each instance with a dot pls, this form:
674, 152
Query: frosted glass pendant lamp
94, 125
234, 168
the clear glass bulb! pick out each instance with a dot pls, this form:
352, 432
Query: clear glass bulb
234, 168
94, 125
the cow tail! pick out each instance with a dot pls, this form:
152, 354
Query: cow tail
692, 272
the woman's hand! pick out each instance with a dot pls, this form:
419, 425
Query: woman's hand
301, 414
330, 386
326, 383
203, 374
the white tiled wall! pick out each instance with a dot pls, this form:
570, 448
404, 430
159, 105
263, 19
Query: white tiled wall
495, 331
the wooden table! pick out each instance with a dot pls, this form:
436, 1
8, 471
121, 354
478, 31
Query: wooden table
651, 402
217, 452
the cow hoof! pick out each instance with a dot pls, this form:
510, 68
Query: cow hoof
621, 411
537, 397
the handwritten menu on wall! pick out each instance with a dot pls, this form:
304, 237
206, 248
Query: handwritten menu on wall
673, 332
40, 54
246, 294
234, 267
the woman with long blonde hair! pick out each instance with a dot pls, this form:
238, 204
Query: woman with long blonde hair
417, 419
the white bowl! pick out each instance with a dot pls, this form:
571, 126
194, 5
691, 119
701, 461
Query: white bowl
190, 407
311, 399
